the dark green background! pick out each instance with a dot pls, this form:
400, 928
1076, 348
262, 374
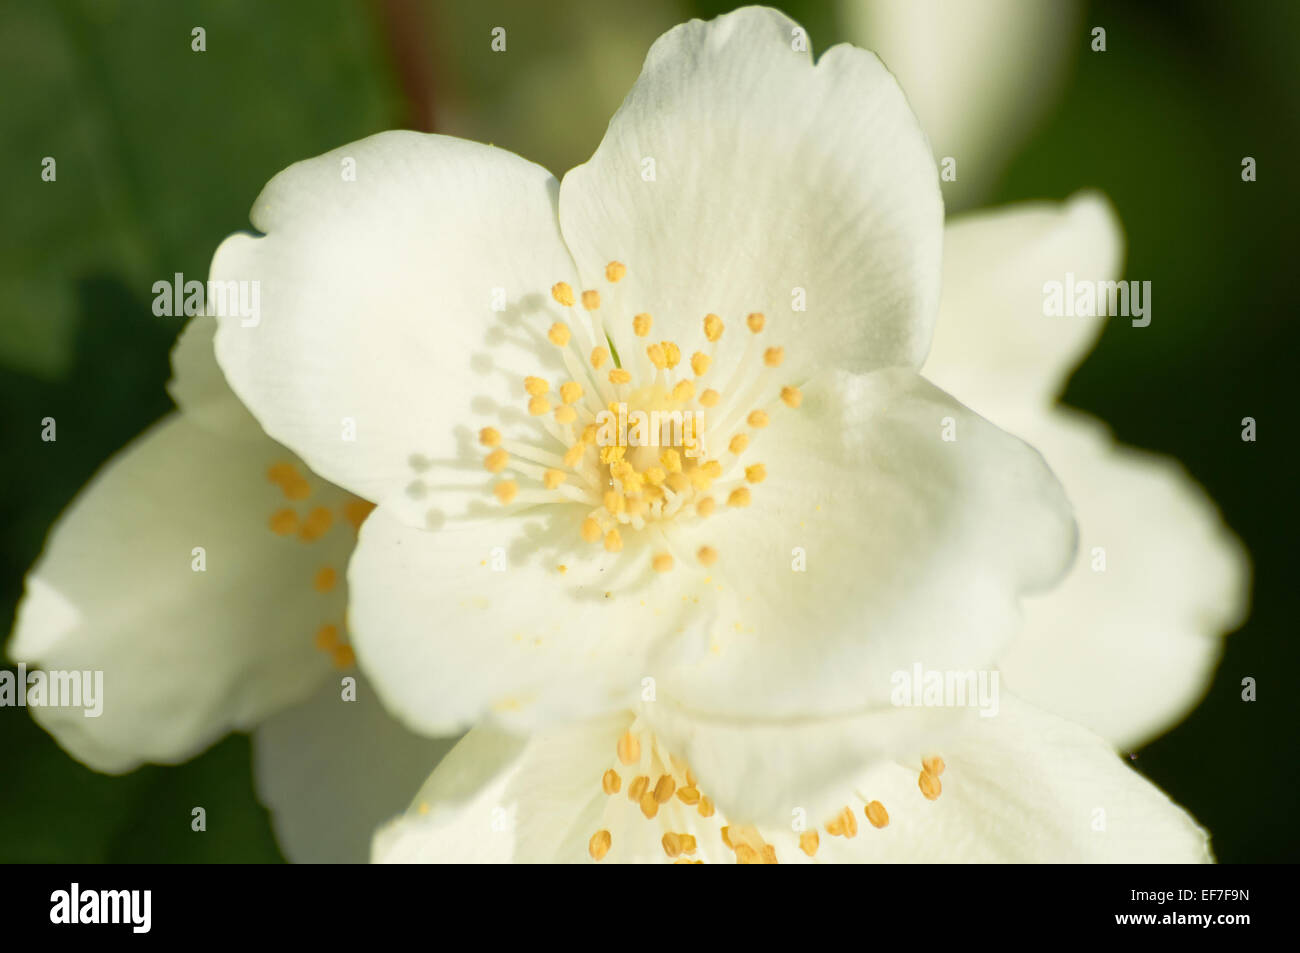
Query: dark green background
161, 152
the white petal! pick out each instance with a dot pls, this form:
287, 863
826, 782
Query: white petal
448, 639
199, 388
1022, 787
186, 655
978, 75
994, 348
772, 178
331, 771
1130, 648
378, 345
913, 548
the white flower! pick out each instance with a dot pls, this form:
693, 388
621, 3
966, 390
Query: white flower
737, 182
1023, 787
202, 571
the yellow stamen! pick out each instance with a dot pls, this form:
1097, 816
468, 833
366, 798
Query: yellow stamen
570, 392
496, 461
591, 300
611, 782
536, 386
283, 522
562, 292
707, 555
599, 844
756, 473
705, 506
664, 788
758, 418
327, 638
629, 748
755, 322
559, 334
672, 354
713, 327
598, 357
539, 406
326, 579
934, 765
710, 398
791, 396
739, 497
316, 525
929, 785
876, 814
700, 363
553, 478
657, 356
615, 271
688, 796
506, 490
662, 562
641, 325
649, 806
705, 808
773, 356
343, 657
489, 436
672, 844
356, 511
590, 530
613, 541
565, 415
619, 376
637, 788
683, 390
808, 842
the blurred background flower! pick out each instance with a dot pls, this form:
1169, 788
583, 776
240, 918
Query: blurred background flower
160, 151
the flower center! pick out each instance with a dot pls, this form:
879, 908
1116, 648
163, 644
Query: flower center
644, 441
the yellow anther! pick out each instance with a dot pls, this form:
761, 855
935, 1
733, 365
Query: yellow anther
739, 497
326, 579
612, 454
683, 390
808, 842
649, 806
738, 443
933, 764
283, 522
710, 398
489, 436
705, 808
610, 782
773, 356
496, 461
296, 488
712, 327
506, 490
712, 469
619, 376
700, 363
747, 855
282, 473
845, 824
559, 334
591, 300
755, 322
654, 476
356, 511
689, 795
707, 555
700, 480
327, 638
672, 354
553, 478
672, 844
876, 814
791, 396
629, 748
677, 482
664, 788
641, 325
672, 461
929, 785
539, 406
756, 473
613, 541
536, 386
757, 418
657, 356
573, 456
615, 502
688, 843
343, 657
570, 392
599, 844
316, 525
565, 415
615, 271
562, 292
637, 788
598, 356
589, 433
591, 530
662, 562
705, 506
